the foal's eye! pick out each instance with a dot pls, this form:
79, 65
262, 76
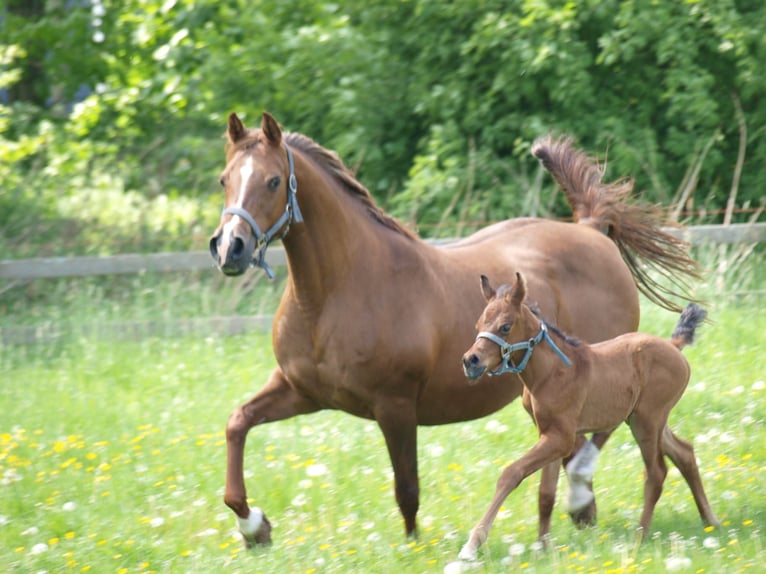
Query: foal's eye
273, 183
505, 329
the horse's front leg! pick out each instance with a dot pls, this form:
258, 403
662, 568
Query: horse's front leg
549, 448
277, 400
546, 498
398, 422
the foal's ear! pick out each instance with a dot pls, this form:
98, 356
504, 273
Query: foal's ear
519, 291
271, 128
486, 289
236, 130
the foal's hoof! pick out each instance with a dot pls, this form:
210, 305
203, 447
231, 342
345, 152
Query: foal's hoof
584, 517
255, 529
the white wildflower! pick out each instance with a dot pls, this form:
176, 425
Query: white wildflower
516, 549
711, 542
316, 469
39, 548
677, 563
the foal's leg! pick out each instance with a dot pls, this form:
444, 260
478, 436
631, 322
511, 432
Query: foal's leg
275, 401
398, 422
549, 448
546, 498
647, 433
682, 455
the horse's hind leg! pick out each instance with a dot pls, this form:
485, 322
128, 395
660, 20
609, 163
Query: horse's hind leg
580, 469
646, 431
681, 453
276, 401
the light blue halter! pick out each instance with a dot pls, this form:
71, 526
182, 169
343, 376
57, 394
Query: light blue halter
291, 214
507, 349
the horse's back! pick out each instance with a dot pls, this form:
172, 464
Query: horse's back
648, 367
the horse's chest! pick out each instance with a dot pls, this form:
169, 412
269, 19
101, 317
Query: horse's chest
340, 368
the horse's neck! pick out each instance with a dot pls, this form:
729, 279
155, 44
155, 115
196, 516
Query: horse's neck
333, 240
543, 360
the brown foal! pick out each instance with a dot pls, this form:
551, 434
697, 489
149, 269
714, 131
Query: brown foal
571, 388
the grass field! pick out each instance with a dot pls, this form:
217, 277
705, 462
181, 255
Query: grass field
112, 460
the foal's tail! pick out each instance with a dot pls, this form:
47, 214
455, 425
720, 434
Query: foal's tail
688, 322
634, 227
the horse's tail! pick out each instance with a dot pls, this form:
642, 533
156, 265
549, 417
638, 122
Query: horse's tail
688, 322
634, 227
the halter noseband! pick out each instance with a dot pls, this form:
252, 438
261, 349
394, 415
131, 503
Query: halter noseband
291, 214
507, 349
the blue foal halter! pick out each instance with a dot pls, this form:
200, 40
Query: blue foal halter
291, 214
507, 349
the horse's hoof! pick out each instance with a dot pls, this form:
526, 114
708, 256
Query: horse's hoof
585, 517
255, 529
468, 553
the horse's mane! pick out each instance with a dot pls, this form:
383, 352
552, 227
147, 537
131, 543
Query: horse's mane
569, 339
333, 165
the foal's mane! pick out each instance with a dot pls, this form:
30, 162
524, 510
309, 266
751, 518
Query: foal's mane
552, 327
333, 165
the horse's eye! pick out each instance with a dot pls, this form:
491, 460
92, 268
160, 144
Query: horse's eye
505, 329
274, 183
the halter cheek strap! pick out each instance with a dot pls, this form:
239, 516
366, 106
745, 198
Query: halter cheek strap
292, 214
507, 349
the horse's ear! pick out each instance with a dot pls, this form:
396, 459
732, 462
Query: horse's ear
486, 288
271, 128
519, 291
236, 130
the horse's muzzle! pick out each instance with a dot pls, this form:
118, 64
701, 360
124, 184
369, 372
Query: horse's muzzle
231, 254
472, 366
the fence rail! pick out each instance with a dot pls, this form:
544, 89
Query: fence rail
53, 267
22, 270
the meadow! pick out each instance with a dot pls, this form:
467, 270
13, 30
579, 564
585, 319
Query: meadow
112, 452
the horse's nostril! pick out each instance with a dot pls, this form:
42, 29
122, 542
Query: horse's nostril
237, 248
473, 360
214, 242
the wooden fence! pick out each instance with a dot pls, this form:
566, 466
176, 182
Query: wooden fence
23, 270
52, 267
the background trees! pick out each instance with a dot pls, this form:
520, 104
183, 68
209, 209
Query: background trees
112, 111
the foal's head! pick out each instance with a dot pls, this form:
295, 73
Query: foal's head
505, 317
255, 184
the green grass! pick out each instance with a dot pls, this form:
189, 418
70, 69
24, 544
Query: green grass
112, 460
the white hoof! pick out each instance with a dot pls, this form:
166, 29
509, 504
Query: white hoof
251, 525
580, 471
468, 553
579, 496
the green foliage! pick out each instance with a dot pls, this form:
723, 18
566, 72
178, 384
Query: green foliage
434, 104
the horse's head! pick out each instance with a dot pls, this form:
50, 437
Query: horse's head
499, 323
259, 195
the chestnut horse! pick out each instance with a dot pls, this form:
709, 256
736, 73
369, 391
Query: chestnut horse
373, 320
572, 388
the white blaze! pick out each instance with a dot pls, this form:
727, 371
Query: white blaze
245, 172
